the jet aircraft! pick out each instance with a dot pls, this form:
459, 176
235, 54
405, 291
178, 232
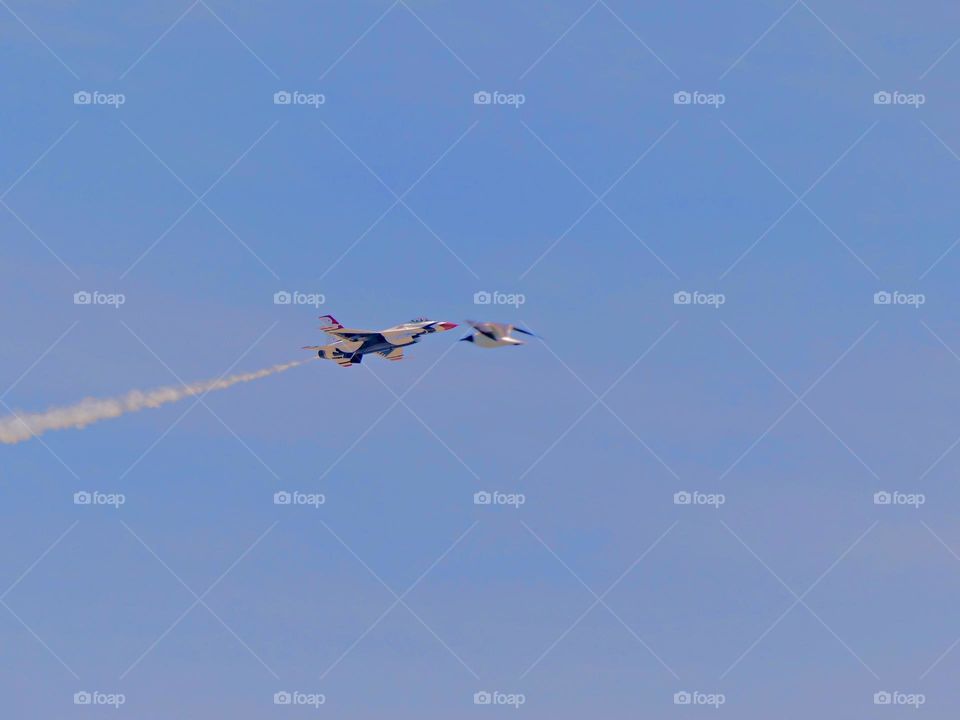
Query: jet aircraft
350, 344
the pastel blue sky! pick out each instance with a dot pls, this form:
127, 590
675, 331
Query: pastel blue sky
597, 199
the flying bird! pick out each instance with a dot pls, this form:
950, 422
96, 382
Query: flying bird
350, 345
492, 335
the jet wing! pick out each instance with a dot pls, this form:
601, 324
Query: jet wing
367, 337
408, 335
402, 337
395, 354
332, 327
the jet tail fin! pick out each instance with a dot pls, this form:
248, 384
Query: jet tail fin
330, 323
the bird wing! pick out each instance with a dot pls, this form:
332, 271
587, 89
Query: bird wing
494, 331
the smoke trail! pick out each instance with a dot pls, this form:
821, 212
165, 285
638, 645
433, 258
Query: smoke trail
23, 426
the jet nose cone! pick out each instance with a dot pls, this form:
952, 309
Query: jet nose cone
447, 325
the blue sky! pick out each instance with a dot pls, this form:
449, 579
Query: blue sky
796, 399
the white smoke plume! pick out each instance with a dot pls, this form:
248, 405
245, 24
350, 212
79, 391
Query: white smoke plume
23, 426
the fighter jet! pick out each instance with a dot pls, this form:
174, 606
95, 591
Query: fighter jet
350, 345
491, 335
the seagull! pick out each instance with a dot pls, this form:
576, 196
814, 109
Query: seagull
492, 335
